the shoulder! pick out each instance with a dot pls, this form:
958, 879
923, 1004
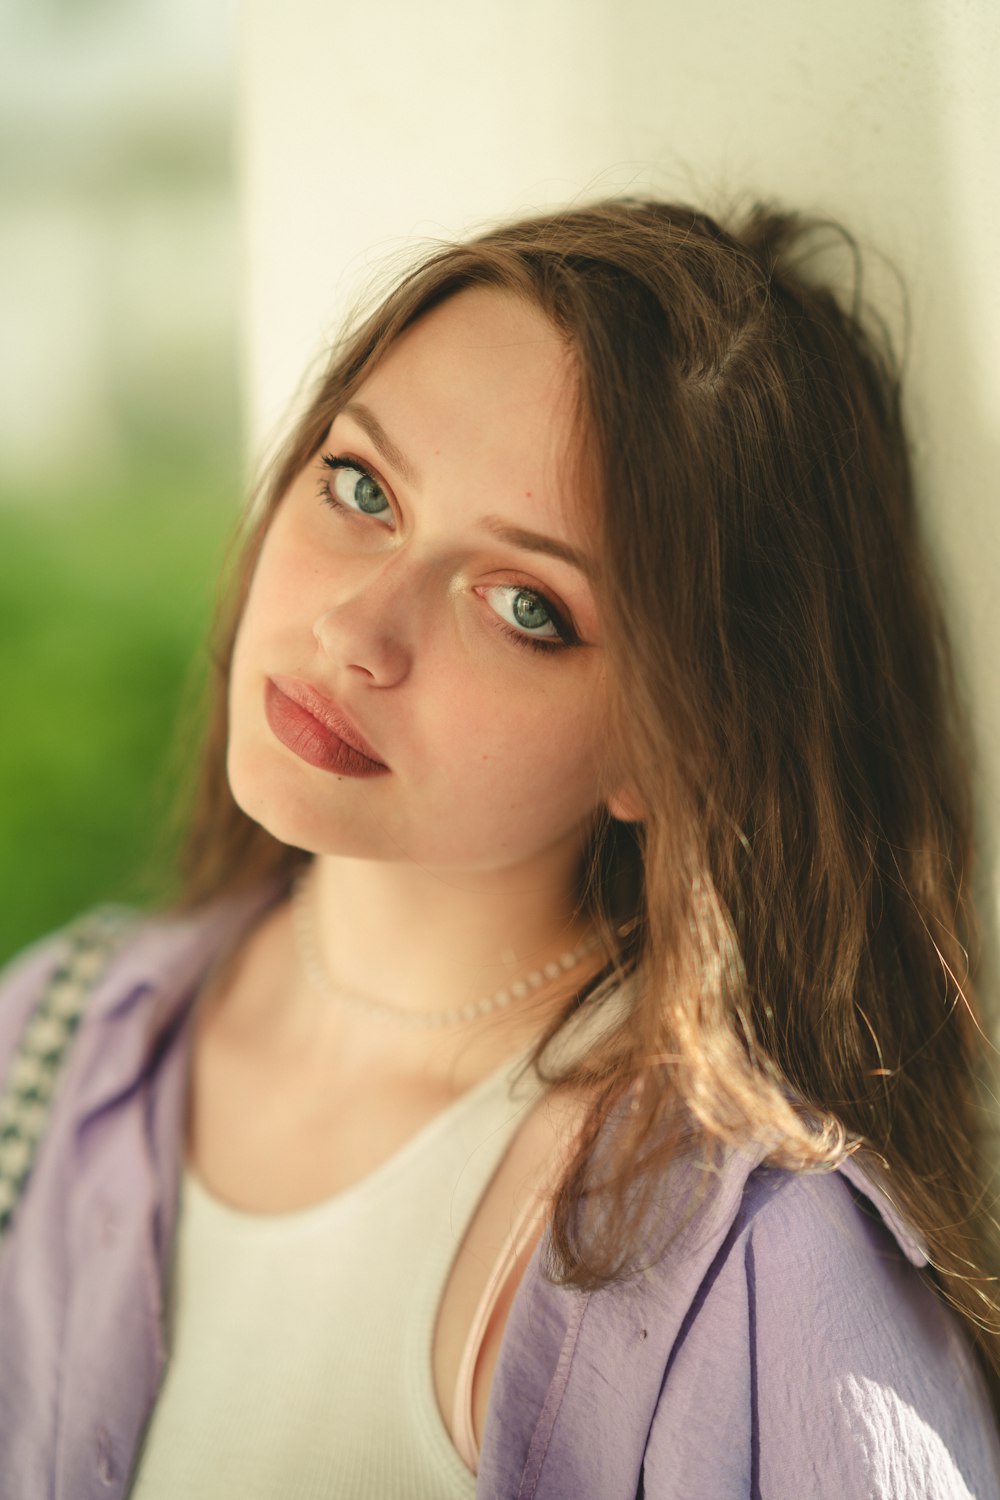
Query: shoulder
785, 1343
22, 981
119, 958
93, 1025
55, 969
815, 1341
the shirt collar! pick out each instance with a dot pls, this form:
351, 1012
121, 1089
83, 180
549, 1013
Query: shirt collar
149, 985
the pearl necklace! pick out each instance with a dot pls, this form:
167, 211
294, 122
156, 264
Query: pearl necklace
313, 965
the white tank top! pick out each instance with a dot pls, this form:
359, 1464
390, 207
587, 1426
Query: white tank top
301, 1342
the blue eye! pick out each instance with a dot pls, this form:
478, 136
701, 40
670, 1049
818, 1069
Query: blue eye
538, 623
353, 488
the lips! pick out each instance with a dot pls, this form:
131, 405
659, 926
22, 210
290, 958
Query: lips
317, 730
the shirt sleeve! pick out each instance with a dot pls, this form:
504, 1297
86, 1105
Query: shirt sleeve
816, 1361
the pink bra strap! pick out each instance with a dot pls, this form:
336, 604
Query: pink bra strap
463, 1431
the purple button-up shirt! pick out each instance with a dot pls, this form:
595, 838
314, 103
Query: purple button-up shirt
786, 1346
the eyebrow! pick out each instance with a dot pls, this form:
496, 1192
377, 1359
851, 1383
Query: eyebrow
381, 441
515, 536
534, 541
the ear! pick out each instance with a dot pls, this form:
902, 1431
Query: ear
624, 805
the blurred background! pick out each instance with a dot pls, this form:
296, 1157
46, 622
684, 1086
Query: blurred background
120, 448
194, 196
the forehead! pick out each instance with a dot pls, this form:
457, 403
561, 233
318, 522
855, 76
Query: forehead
491, 328
484, 375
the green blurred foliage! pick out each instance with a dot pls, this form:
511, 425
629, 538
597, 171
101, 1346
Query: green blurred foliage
105, 604
119, 430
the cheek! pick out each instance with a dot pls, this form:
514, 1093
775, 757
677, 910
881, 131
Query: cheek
283, 571
280, 590
548, 750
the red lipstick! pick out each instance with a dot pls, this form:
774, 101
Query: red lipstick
316, 730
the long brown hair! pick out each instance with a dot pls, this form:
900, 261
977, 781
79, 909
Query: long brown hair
793, 908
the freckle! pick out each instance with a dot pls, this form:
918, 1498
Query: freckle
527, 494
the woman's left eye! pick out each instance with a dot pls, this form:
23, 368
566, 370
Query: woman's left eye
353, 488
532, 620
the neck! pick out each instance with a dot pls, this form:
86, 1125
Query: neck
412, 940
423, 943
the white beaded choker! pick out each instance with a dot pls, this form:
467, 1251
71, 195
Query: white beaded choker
458, 1015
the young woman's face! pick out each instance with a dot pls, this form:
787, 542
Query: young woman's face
416, 582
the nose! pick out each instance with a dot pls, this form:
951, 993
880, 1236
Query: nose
368, 630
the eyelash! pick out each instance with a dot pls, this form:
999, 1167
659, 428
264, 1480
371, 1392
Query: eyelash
567, 635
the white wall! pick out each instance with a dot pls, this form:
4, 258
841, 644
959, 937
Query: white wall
368, 125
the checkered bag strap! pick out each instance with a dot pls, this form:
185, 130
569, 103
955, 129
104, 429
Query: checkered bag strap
26, 1093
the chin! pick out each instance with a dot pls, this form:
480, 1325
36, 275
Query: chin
262, 792
284, 800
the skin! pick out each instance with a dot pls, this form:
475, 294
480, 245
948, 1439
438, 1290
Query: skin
454, 872
467, 851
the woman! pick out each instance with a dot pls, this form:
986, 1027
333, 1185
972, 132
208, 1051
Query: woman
557, 1076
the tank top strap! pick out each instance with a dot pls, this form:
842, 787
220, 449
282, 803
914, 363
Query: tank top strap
522, 1230
463, 1428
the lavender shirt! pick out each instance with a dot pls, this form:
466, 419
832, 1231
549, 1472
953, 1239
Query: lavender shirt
786, 1345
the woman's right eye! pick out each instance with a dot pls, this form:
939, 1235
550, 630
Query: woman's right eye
351, 487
